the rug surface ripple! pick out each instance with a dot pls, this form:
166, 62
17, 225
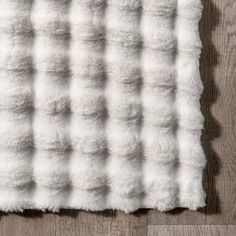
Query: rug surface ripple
99, 105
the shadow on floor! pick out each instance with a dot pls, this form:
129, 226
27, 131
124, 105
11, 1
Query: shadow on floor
212, 129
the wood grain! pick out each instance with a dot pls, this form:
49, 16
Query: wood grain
218, 71
193, 230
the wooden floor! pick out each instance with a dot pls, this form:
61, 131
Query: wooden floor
218, 70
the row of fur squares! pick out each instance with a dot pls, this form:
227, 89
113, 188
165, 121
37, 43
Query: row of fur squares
44, 20
120, 103
88, 169
155, 36
162, 184
91, 74
165, 79
128, 182
57, 133
122, 4
92, 61
53, 200
96, 137
90, 70
126, 108
57, 171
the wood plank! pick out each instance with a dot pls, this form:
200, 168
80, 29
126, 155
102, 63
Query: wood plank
27, 224
101, 223
193, 230
74, 223
15, 224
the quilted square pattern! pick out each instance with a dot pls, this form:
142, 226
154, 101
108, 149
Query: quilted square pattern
99, 105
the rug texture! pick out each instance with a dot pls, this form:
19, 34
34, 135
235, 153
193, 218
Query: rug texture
99, 105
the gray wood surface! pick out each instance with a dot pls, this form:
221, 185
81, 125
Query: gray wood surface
192, 230
218, 71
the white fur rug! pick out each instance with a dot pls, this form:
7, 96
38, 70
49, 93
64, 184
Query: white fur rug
99, 105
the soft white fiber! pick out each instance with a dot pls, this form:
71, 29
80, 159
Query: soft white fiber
99, 105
